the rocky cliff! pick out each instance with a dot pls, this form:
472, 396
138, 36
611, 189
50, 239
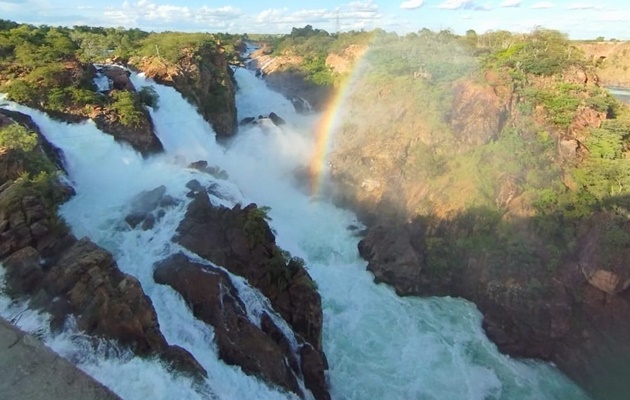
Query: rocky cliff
240, 241
204, 78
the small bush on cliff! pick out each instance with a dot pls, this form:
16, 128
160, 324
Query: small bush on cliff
149, 97
17, 137
124, 105
22, 145
21, 91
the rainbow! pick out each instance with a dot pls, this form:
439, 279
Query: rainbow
328, 125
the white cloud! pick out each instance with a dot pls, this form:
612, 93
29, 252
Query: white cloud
462, 5
411, 4
581, 6
455, 4
144, 12
511, 3
542, 5
355, 15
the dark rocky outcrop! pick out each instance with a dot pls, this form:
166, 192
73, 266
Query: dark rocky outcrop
215, 171
148, 207
140, 136
275, 119
214, 300
119, 77
240, 240
204, 78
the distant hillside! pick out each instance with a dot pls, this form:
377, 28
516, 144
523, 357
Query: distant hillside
612, 60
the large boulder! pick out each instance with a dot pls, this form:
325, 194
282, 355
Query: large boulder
119, 77
240, 240
213, 299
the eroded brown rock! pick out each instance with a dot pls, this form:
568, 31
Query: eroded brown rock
213, 299
240, 240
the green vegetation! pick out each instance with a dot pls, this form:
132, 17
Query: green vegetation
149, 97
314, 45
16, 137
48, 68
37, 175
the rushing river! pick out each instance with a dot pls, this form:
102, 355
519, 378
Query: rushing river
379, 346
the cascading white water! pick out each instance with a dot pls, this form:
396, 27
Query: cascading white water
379, 346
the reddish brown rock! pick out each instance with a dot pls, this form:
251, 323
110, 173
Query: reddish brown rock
477, 114
214, 300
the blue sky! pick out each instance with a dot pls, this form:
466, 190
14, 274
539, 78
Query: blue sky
579, 18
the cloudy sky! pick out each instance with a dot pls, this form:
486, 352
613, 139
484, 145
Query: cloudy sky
579, 18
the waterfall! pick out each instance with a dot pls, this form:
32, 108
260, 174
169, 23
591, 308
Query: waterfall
379, 345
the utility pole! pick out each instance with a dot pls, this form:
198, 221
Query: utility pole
338, 27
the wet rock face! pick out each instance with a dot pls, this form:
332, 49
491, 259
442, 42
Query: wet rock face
148, 207
393, 258
85, 282
214, 300
240, 240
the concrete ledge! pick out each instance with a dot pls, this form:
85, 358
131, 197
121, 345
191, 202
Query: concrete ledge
31, 371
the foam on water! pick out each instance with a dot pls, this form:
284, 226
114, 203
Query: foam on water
379, 346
